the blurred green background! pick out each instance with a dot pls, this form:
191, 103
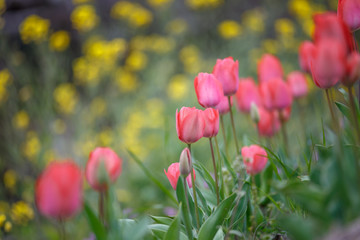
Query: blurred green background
79, 74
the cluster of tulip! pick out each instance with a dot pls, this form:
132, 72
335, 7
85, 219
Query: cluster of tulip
59, 189
332, 56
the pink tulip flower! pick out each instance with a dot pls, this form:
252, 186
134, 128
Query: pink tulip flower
189, 124
255, 159
211, 117
269, 67
276, 94
247, 93
173, 175
349, 12
227, 72
208, 90
298, 84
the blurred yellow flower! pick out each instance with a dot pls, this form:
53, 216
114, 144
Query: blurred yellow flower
198, 4
84, 18
158, 3
59, 126
7, 226
34, 29
65, 96
86, 71
10, 179
136, 61
2, 6
25, 93
125, 80
177, 26
5, 80
21, 120
229, 29
32, 145
59, 41
190, 57
284, 26
270, 46
300, 8
2, 219
154, 42
178, 87
105, 137
21, 213
98, 107
253, 20
133, 13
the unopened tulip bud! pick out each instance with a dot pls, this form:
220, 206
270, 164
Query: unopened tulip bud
185, 163
254, 113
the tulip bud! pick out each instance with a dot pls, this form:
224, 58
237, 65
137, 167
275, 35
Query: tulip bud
255, 159
227, 72
185, 163
103, 167
254, 113
58, 191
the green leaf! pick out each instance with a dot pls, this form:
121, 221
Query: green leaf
345, 110
159, 230
96, 226
173, 232
162, 220
180, 193
199, 168
209, 228
151, 176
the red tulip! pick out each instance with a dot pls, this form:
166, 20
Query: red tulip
349, 12
329, 63
173, 175
189, 124
328, 25
211, 117
103, 165
58, 190
353, 69
247, 93
306, 53
276, 94
227, 72
285, 114
255, 159
269, 67
297, 83
269, 123
208, 90
223, 106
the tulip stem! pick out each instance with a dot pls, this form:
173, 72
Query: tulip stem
233, 126
215, 172
220, 163
284, 133
194, 193
336, 126
186, 193
62, 229
101, 207
353, 109
224, 135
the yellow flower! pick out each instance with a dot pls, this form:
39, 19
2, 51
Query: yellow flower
253, 20
32, 145
300, 8
270, 46
84, 18
65, 96
178, 87
2, 6
10, 179
86, 71
136, 61
134, 13
59, 126
21, 120
7, 226
285, 27
5, 79
125, 80
140, 17
59, 41
177, 26
34, 29
2, 219
308, 26
190, 56
21, 213
158, 3
229, 29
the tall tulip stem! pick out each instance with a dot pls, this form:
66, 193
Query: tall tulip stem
220, 163
353, 109
224, 135
336, 126
62, 229
215, 172
194, 193
233, 126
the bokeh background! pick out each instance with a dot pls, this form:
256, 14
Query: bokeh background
84, 73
